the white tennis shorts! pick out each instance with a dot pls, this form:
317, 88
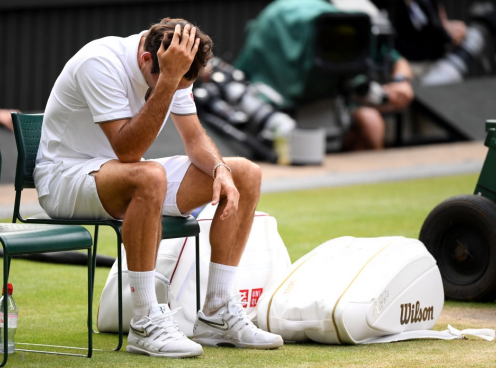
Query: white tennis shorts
73, 193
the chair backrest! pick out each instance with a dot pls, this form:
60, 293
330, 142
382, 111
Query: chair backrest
27, 131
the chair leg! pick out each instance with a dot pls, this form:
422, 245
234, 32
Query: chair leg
6, 266
119, 280
95, 249
90, 303
9, 259
93, 261
197, 251
119, 291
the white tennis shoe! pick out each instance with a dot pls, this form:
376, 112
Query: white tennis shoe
158, 335
230, 326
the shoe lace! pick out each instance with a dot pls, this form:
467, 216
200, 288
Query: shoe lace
167, 323
237, 312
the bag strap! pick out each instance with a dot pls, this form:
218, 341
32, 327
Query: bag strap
327, 325
450, 334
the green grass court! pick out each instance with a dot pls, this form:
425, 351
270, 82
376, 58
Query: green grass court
51, 298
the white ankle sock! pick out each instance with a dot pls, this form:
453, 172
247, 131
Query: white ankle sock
219, 287
143, 294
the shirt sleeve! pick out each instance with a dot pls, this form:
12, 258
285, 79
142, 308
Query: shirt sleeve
184, 103
102, 88
386, 52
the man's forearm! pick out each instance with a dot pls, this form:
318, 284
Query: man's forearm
402, 68
203, 153
137, 134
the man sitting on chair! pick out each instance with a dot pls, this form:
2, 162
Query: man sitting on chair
105, 110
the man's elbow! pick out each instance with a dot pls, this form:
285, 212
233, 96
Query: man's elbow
128, 160
127, 157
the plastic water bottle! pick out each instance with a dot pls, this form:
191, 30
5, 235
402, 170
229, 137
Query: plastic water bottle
12, 313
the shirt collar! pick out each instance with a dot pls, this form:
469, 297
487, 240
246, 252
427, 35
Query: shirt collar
132, 44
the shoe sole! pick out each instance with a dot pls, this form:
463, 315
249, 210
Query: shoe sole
239, 345
137, 350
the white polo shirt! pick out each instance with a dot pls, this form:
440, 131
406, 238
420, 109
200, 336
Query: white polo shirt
102, 82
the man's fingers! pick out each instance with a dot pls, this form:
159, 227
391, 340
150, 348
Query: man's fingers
232, 205
185, 35
227, 210
161, 49
230, 209
177, 35
195, 46
216, 193
191, 40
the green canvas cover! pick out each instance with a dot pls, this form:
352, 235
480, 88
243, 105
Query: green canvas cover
279, 49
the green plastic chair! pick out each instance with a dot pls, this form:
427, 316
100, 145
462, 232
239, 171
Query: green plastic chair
27, 131
20, 239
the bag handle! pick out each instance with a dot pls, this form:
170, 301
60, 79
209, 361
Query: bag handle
316, 325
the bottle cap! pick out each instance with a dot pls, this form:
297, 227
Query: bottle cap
10, 289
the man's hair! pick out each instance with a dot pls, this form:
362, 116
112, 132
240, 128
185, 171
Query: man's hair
155, 37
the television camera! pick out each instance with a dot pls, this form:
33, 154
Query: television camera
268, 103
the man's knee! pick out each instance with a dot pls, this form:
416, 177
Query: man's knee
149, 179
247, 175
369, 122
365, 116
255, 173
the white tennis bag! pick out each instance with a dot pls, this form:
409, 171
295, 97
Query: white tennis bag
264, 260
355, 291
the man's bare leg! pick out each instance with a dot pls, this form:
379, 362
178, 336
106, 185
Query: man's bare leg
223, 321
228, 237
367, 131
135, 192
